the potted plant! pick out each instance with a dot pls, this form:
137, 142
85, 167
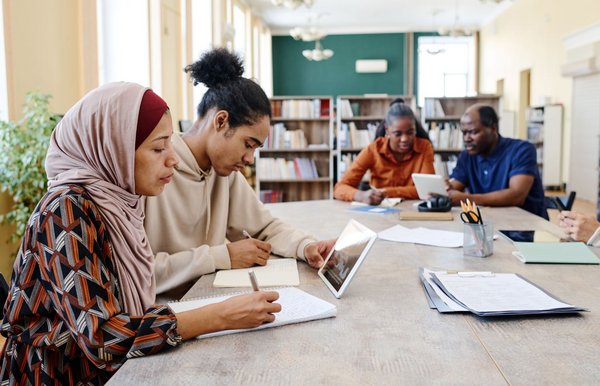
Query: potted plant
23, 147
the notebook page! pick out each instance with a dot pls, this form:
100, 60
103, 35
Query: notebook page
277, 273
296, 306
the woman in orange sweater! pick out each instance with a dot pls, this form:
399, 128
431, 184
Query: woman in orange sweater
391, 159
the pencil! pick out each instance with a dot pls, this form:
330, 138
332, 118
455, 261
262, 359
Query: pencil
253, 280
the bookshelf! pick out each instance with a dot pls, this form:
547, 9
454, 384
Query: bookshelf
296, 162
357, 119
544, 130
441, 119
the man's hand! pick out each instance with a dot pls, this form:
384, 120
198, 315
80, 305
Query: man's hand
248, 252
315, 253
371, 196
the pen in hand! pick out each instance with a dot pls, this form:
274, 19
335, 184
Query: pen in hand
253, 280
246, 234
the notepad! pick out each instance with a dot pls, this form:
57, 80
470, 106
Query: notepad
278, 272
296, 306
555, 253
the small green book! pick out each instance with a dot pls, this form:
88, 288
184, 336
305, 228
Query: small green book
555, 253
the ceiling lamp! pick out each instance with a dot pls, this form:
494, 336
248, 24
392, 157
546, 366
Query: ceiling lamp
292, 3
307, 34
318, 53
456, 30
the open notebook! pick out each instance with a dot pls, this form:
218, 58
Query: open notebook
296, 306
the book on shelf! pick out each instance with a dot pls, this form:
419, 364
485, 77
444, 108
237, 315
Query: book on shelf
270, 196
345, 109
283, 169
351, 137
433, 108
444, 167
300, 108
280, 137
445, 135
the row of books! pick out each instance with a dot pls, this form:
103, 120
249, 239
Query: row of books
269, 196
433, 108
282, 169
282, 138
445, 135
443, 167
350, 137
300, 108
347, 109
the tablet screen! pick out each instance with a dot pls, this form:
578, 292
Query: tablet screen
530, 236
346, 256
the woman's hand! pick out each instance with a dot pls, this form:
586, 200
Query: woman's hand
242, 311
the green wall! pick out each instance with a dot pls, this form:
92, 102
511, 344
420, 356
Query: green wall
295, 75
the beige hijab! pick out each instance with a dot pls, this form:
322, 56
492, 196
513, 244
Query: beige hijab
94, 146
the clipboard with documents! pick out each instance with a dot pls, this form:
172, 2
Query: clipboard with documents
489, 294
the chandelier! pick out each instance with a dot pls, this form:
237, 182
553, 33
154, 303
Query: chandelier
307, 34
318, 53
292, 3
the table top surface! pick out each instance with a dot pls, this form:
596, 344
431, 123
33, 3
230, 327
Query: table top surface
385, 333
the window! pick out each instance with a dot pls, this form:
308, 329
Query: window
446, 67
123, 51
3, 81
202, 37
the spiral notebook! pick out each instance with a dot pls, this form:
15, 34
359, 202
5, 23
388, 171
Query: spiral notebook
296, 306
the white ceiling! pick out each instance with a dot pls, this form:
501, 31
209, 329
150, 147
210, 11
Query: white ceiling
377, 16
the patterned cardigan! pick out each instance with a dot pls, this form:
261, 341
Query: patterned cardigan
63, 319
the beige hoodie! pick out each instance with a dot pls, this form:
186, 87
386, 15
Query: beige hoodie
189, 223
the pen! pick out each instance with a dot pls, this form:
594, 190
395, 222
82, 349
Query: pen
253, 280
246, 234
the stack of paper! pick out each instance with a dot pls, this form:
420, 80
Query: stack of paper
489, 294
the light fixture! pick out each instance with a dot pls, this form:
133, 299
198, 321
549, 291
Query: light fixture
456, 30
307, 34
318, 53
435, 48
292, 3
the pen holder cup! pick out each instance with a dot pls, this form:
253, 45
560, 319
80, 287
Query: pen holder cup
478, 239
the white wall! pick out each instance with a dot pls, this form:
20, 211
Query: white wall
529, 35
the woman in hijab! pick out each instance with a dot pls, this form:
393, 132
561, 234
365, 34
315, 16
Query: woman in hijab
82, 289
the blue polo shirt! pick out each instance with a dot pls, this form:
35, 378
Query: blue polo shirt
510, 157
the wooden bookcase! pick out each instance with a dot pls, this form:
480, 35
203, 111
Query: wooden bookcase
544, 130
357, 118
296, 162
441, 119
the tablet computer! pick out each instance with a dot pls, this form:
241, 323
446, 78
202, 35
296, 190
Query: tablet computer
346, 256
429, 183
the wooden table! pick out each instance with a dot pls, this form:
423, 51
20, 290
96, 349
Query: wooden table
385, 333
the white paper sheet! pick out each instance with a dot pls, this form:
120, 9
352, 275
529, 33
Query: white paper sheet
423, 236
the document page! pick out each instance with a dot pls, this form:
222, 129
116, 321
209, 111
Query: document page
423, 236
278, 272
498, 292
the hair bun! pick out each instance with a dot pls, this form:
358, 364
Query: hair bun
216, 67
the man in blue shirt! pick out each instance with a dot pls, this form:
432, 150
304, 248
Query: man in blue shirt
496, 171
